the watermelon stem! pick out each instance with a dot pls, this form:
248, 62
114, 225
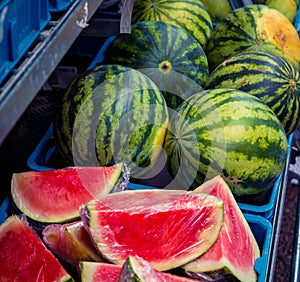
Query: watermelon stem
292, 83
260, 42
165, 66
232, 179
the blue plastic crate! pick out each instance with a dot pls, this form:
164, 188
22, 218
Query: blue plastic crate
266, 209
59, 5
101, 53
20, 24
39, 158
5, 209
262, 230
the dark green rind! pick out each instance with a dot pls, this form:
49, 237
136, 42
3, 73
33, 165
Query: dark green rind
149, 45
111, 113
76, 93
269, 77
226, 132
190, 15
236, 33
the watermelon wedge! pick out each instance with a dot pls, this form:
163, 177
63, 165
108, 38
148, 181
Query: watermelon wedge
24, 257
136, 269
70, 242
167, 228
236, 249
99, 271
55, 196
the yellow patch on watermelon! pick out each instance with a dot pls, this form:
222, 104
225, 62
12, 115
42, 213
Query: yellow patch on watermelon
275, 28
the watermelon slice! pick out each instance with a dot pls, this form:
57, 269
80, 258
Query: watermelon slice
167, 228
137, 269
70, 242
99, 271
236, 249
55, 196
24, 257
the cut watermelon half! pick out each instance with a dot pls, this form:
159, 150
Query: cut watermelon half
236, 249
167, 228
24, 257
55, 196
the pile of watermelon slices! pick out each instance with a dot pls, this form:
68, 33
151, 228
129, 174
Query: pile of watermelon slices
166, 235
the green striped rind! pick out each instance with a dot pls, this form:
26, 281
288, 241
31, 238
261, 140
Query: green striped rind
269, 77
110, 114
79, 89
217, 9
151, 46
131, 268
189, 14
228, 132
236, 33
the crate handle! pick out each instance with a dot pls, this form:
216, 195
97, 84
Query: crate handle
13, 54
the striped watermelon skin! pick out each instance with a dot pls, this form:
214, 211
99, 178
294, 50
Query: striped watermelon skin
269, 77
169, 55
111, 113
190, 15
253, 28
217, 9
227, 132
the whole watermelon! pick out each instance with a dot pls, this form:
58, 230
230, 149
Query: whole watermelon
190, 15
253, 28
169, 55
217, 9
227, 132
269, 77
112, 114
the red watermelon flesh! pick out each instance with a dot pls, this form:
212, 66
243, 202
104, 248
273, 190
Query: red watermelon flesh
70, 242
137, 269
55, 196
167, 228
99, 271
24, 257
236, 249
